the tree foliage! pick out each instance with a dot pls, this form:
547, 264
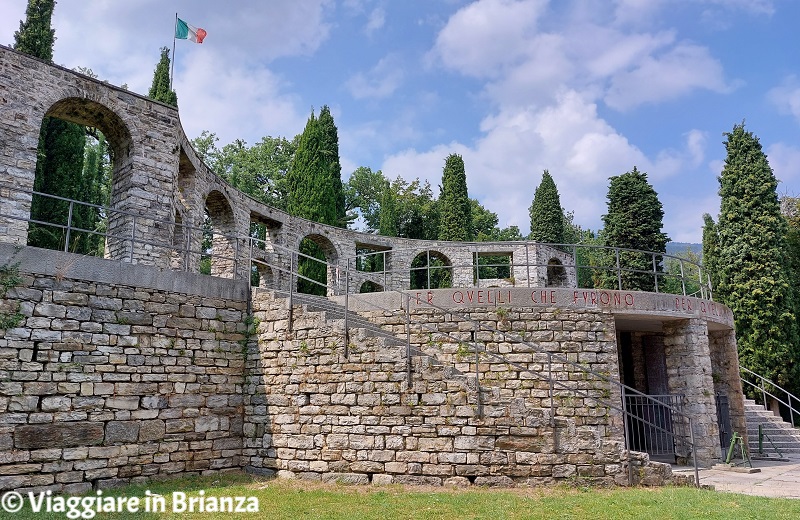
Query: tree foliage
161, 90
35, 36
634, 221
455, 208
259, 170
547, 216
753, 267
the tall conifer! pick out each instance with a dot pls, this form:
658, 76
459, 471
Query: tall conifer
160, 90
455, 207
634, 221
59, 165
752, 263
547, 216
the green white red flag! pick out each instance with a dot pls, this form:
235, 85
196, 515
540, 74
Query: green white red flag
184, 31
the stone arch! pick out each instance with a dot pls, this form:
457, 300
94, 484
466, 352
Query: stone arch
220, 224
93, 114
321, 276
265, 276
431, 269
370, 287
556, 273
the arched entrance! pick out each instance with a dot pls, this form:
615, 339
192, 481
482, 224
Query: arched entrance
316, 266
431, 270
219, 243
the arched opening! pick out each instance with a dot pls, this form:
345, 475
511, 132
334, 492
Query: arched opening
261, 276
556, 274
370, 287
179, 243
84, 149
431, 270
315, 266
218, 257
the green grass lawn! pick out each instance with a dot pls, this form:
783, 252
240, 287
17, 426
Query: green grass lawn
278, 499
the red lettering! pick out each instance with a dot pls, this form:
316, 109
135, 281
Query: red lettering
470, 294
628, 299
594, 297
489, 297
617, 298
574, 297
480, 296
552, 297
430, 297
607, 298
419, 302
460, 296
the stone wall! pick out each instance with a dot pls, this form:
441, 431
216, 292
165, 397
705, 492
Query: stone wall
103, 383
314, 413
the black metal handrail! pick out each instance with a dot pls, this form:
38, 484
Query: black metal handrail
786, 398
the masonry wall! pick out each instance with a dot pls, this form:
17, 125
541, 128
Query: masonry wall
315, 413
106, 383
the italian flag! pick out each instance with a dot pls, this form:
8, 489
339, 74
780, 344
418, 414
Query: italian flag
184, 31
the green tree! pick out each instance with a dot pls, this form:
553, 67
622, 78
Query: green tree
547, 216
329, 149
753, 266
60, 152
417, 210
313, 194
35, 36
634, 221
364, 192
160, 90
456, 212
388, 213
710, 251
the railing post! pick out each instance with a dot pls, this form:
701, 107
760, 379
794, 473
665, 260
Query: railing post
69, 226
791, 408
626, 435
655, 272
346, 310
619, 270
694, 453
477, 371
408, 340
291, 289
384, 271
428, 267
528, 263
575, 263
552, 389
683, 278
476, 260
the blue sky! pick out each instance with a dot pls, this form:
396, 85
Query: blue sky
586, 89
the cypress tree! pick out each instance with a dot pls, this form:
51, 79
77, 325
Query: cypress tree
455, 208
311, 195
752, 264
35, 36
634, 221
160, 90
388, 213
547, 216
59, 164
711, 259
329, 148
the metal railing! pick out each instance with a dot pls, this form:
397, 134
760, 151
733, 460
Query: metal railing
765, 387
642, 414
275, 257
589, 266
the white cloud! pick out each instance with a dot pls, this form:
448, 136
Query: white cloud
786, 97
657, 78
785, 162
380, 82
376, 21
484, 37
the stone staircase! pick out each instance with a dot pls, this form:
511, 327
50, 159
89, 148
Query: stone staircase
785, 438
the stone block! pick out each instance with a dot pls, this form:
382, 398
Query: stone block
121, 432
63, 435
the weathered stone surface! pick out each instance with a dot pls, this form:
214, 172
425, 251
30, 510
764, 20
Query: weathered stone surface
64, 435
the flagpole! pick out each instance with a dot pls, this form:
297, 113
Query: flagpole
172, 72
